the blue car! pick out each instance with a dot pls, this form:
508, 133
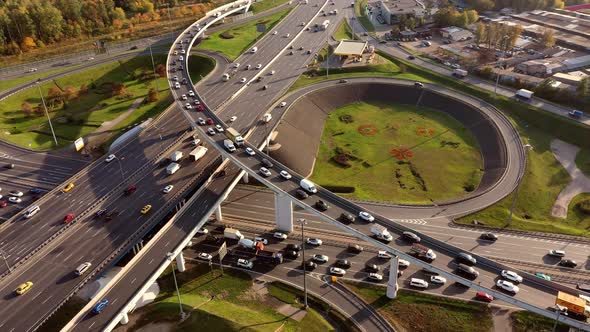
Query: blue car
100, 306
37, 191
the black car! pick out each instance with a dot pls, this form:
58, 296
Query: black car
266, 163
568, 263
467, 271
371, 268
418, 85
10, 166
355, 248
100, 213
301, 194
466, 258
321, 205
292, 254
111, 215
411, 57
310, 266
342, 263
411, 237
489, 236
37, 191
346, 218
293, 246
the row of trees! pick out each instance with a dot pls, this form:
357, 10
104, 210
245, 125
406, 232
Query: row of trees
27, 24
449, 16
518, 5
496, 35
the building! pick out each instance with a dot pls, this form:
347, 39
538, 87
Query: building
539, 68
353, 48
456, 33
573, 78
392, 11
577, 63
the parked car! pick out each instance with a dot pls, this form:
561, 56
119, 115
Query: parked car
245, 263
483, 296
568, 263
310, 266
293, 246
321, 205
320, 258
337, 271
489, 236
204, 256
343, 263
366, 216
313, 241
438, 280
411, 237
280, 236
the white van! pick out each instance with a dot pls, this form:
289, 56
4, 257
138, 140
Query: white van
225, 77
419, 283
80, 270
181, 58
229, 145
308, 186
32, 211
254, 49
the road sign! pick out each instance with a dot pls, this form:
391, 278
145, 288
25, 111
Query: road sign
79, 144
260, 27
222, 251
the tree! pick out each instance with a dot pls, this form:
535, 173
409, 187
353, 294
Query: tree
462, 20
54, 96
119, 89
583, 90
482, 5
472, 16
161, 70
402, 22
152, 95
480, 33
83, 89
27, 44
559, 4
548, 38
411, 23
70, 93
26, 108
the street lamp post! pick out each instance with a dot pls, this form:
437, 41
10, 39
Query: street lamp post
5, 261
171, 256
302, 222
120, 168
154, 68
47, 113
503, 48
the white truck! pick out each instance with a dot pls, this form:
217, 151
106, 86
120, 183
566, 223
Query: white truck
176, 156
308, 186
229, 145
524, 94
267, 117
172, 168
198, 153
460, 73
422, 252
233, 234
381, 233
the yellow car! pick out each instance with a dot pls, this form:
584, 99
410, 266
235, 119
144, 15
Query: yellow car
146, 209
68, 187
23, 288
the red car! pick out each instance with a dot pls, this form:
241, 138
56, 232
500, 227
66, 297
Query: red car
130, 190
209, 121
200, 108
482, 296
3, 204
69, 217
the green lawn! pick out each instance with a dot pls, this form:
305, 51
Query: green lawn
343, 31
524, 321
244, 35
417, 312
25, 78
260, 6
361, 13
84, 114
199, 66
445, 158
583, 161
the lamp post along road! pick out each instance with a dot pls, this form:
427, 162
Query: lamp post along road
302, 222
47, 114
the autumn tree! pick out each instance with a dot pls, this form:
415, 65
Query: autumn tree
161, 70
119, 89
548, 38
27, 44
54, 97
26, 108
152, 95
480, 33
583, 90
70, 93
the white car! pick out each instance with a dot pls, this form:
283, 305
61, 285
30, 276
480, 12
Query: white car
383, 254
272, 72
183, 97
32, 70
175, 78
233, 118
201, 121
167, 189
196, 142
264, 171
261, 239
512, 276
280, 236
177, 85
16, 193
258, 66
275, 32
366, 216
203, 231
419, 283
320, 258
337, 271
283, 104
15, 200
205, 256
403, 263
219, 128
288, 35
375, 276
182, 52
188, 106
250, 152
243, 80
557, 253
245, 263
507, 286
438, 280
313, 241
236, 65
110, 158
211, 131
285, 175
191, 93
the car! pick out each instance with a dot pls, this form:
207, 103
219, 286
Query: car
100, 213
466, 258
250, 152
346, 217
383, 255
236, 65
264, 171
209, 121
243, 80
489, 236
14, 200
283, 104
437, 280
99, 307
403, 263
556, 253
146, 209
321, 205
343, 263
371, 267
375, 277
291, 254
543, 276
175, 78
200, 108
418, 283
280, 236
245, 263
507, 286
211, 131
203, 231
69, 217
265, 87
287, 35
290, 53
167, 189
16, 193
183, 97
191, 93
23, 288
301, 48
285, 175
511, 275
320, 258
205, 256
411, 57
355, 248
310, 266
36, 191
201, 121
219, 128
267, 163
110, 158
313, 241
3, 204
483, 296
32, 70
568, 263
82, 268
196, 142
337, 271
233, 118
301, 194
418, 85
411, 237
188, 106
261, 239
293, 246
343, 81
111, 215
258, 66
68, 187
248, 67
272, 72
366, 216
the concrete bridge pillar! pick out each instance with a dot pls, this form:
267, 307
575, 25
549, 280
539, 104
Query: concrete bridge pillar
247, 8
180, 262
246, 177
124, 319
218, 215
392, 282
284, 213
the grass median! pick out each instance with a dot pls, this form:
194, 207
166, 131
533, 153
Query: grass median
264, 5
343, 31
360, 9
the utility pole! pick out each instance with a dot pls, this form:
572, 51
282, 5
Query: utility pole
168, 7
5, 261
302, 222
509, 221
47, 114
327, 53
171, 256
154, 68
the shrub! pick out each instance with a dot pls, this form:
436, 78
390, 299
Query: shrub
226, 35
584, 206
346, 118
342, 160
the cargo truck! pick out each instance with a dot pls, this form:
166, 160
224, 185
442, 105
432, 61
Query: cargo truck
233, 134
176, 156
460, 73
576, 114
198, 153
269, 257
574, 305
172, 168
381, 233
422, 252
233, 234
524, 94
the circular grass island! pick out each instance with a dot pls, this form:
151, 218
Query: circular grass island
396, 153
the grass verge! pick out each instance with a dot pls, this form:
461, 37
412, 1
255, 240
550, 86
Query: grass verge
264, 5
524, 321
64, 315
235, 41
365, 137
360, 9
413, 311
26, 78
199, 66
583, 161
343, 31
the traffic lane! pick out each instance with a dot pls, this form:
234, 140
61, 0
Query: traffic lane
121, 293
81, 246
